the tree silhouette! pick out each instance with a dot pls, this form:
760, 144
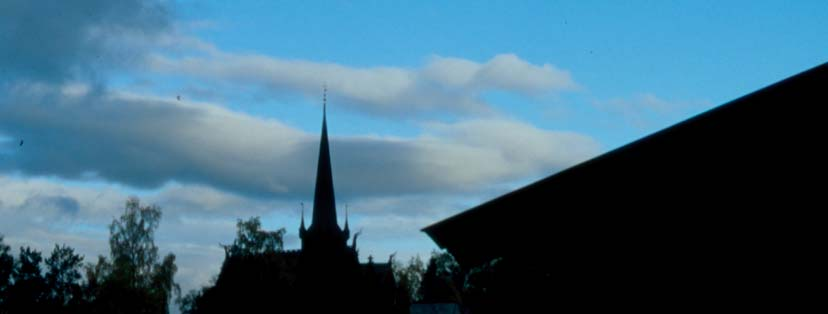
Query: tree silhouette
488, 287
442, 281
133, 281
252, 240
6, 269
189, 303
95, 275
409, 278
63, 279
29, 291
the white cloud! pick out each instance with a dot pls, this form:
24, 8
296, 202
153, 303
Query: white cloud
147, 141
207, 161
443, 85
501, 148
505, 72
646, 111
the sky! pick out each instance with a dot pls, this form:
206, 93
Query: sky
433, 107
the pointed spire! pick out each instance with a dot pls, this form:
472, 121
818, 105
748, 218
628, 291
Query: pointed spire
346, 218
346, 232
303, 216
302, 229
324, 203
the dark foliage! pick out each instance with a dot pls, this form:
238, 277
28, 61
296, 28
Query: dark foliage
6, 269
442, 281
63, 279
29, 290
408, 279
132, 280
251, 239
256, 274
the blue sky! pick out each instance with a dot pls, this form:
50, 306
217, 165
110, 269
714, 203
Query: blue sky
433, 107
697, 52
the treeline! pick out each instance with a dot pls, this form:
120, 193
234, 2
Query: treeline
256, 273
132, 279
442, 281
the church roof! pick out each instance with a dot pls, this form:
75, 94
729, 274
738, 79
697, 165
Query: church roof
698, 185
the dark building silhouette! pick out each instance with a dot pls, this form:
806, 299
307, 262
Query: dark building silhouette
715, 212
324, 276
329, 269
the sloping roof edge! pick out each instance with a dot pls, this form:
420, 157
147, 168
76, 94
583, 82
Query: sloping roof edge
743, 100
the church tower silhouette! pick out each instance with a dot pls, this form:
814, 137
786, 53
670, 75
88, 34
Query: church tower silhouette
324, 236
329, 269
324, 276
329, 274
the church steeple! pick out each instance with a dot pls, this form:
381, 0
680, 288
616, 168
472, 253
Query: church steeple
324, 203
346, 230
302, 229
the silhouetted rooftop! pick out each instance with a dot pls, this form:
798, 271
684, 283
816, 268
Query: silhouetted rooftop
705, 199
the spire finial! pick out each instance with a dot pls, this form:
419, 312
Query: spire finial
324, 98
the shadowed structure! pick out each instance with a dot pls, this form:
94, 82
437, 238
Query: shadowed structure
699, 215
324, 276
330, 275
324, 234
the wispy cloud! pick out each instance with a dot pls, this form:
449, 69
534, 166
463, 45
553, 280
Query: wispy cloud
648, 111
446, 85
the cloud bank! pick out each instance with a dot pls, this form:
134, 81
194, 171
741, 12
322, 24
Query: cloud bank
446, 85
63, 40
76, 132
88, 145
